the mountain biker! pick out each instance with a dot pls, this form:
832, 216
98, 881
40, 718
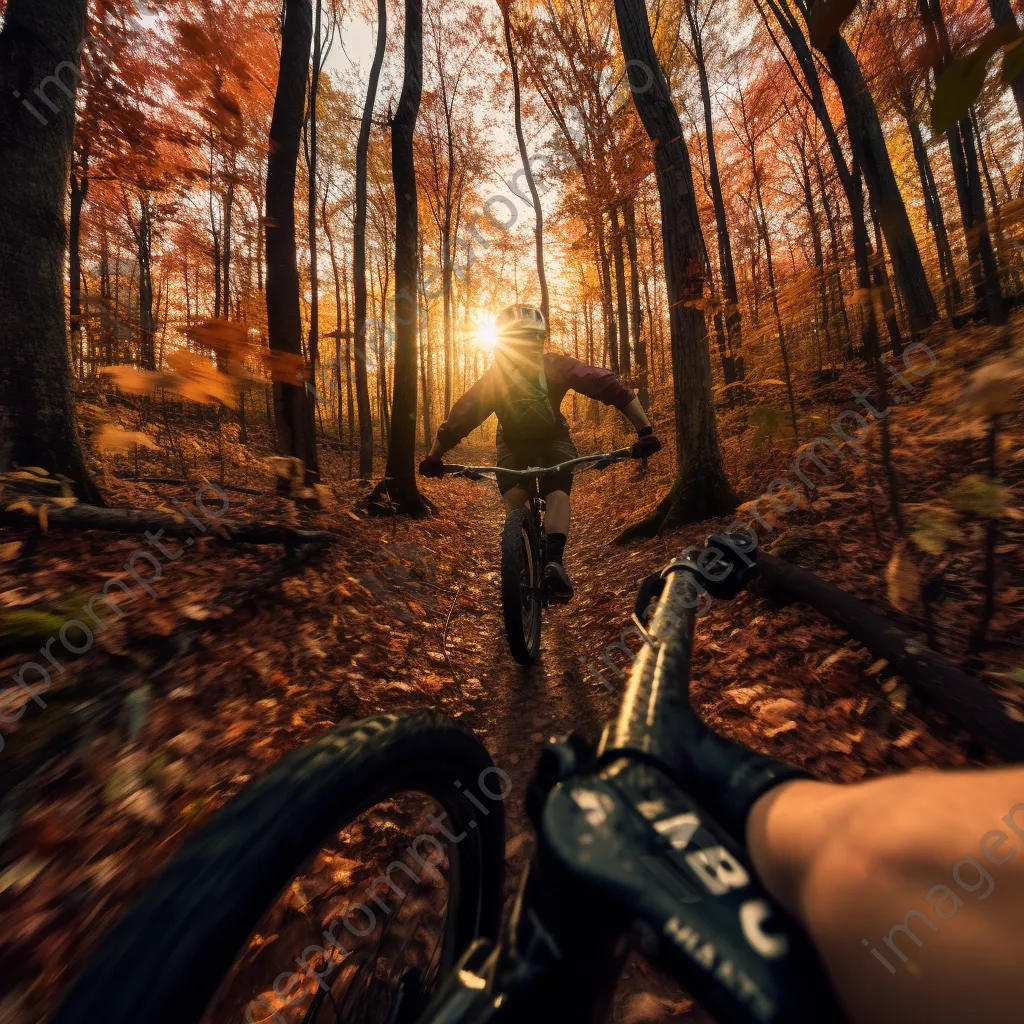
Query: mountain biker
525, 387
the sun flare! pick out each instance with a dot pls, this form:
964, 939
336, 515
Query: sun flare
486, 333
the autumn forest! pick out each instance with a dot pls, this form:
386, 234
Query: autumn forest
257, 249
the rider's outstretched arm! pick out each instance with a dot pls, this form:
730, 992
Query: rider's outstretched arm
912, 887
634, 412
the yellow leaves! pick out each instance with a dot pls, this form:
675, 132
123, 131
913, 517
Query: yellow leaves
980, 495
935, 530
958, 84
221, 335
285, 467
992, 390
903, 579
134, 381
199, 380
285, 367
110, 438
24, 505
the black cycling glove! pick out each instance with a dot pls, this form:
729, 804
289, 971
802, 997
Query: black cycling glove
432, 466
646, 445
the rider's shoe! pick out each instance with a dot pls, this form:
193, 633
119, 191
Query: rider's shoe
557, 584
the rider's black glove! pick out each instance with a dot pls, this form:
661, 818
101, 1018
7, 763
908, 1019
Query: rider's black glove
647, 444
432, 466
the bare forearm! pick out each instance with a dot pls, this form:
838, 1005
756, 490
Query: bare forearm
917, 850
634, 412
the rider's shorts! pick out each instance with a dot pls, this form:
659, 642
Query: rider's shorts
537, 453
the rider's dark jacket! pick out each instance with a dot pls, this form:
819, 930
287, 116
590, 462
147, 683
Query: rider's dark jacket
563, 374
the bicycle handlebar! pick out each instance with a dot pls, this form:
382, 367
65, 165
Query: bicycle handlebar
592, 461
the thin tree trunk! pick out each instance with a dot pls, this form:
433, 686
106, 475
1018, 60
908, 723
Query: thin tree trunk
625, 358
359, 249
629, 219
527, 169
79, 192
936, 218
733, 328
314, 263
293, 408
147, 349
964, 158
608, 302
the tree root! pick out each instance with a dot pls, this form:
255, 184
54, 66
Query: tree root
681, 506
384, 502
950, 690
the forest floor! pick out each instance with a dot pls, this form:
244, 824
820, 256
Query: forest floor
361, 630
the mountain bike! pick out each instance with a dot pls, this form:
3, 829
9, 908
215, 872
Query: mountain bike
524, 549
626, 854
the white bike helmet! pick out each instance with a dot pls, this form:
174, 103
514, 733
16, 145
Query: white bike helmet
517, 321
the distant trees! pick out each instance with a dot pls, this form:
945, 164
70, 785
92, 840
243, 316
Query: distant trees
40, 42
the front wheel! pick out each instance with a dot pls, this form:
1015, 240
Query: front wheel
521, 584
338, 888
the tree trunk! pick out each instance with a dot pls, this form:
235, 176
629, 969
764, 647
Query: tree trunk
629, 219
527, 169
733, 329
819, 257
848, 177
337, 315
293, 408
359, 249
964, 158
881, 280
79, 192
625, 357
868, 145
701, 490
773, 290
314, 268
40, 42
607, 300
936, 218
229, 204
147, 327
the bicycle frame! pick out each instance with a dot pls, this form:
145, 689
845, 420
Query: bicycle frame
624, 850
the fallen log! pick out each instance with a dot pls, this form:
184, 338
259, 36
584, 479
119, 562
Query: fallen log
133, 520
964, 699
